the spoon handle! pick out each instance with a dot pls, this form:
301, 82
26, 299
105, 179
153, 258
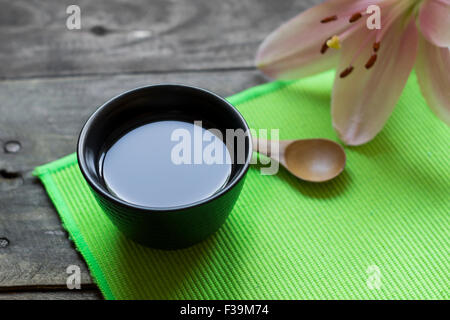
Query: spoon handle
264, 147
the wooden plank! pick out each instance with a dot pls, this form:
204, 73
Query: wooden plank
121, 36
52, 295
45, 117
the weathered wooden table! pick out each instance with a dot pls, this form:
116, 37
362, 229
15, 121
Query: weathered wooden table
52, 79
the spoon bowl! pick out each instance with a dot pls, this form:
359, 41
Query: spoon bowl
314, 160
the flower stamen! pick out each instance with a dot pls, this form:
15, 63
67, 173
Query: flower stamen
355, 17
346, 72
324, 47
371, 61
376, 46
329, 19
334, 42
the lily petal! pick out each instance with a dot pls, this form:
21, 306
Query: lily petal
363, 101
433, 74
434, 20
293, 50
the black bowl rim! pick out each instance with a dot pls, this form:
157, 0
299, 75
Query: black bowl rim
94, 184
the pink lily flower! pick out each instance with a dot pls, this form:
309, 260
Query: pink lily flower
373, 66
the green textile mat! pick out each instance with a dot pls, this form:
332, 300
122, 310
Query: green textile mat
380, 230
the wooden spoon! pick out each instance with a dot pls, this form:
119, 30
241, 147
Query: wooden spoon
315, 160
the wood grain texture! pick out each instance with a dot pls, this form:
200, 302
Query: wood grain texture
45, 116
52, 79
122, 36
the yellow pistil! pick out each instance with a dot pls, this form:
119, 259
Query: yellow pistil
334, 43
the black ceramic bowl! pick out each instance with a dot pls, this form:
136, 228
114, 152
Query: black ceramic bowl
171, 227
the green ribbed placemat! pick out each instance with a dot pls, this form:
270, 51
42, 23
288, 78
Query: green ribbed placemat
380, 230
